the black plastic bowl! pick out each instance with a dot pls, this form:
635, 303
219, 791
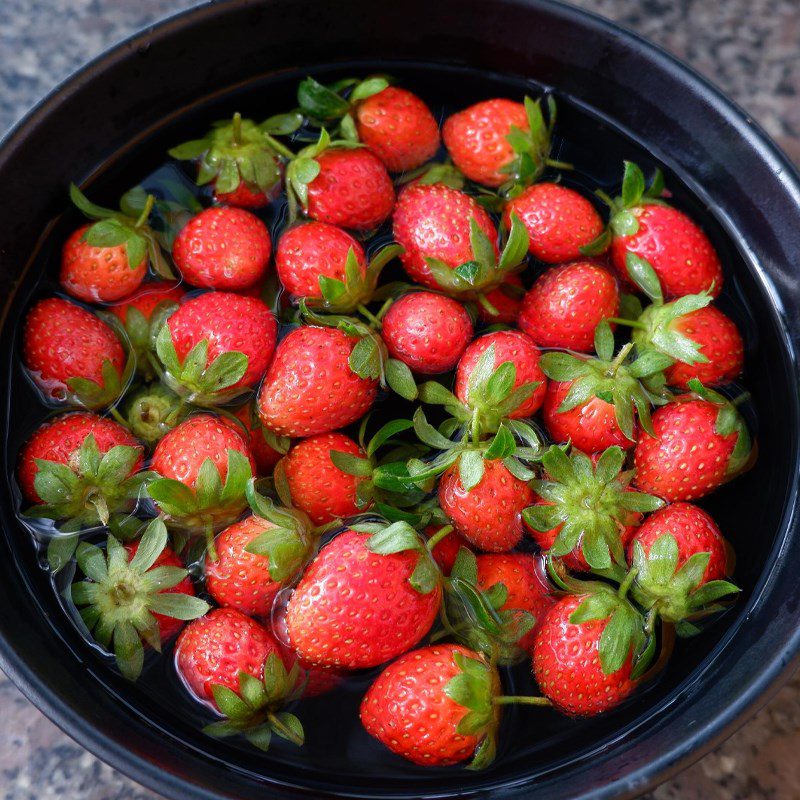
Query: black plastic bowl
717, 159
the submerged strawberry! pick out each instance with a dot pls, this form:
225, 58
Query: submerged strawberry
503, 304
266, 448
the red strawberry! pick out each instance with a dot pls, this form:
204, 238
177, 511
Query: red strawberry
149, 296
476, 139
98, 274
309, 387
433, 221
566, 303
688, 457
228, 323
488, 515
213, 650
62, 341
223, 248
506, 299
412, 707
524, 581
567, 662
509, 346
352, 190
354, 608
398, 127
591, 426
428, 332
559, 221
317, 486
308, 251
444, 552
265, 456
243, 196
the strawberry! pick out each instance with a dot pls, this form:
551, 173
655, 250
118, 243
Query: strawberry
145, 301
223, 248
680, 559
559, 221
586, 509
236, 665
152, 410
82, 468
488, 515
310, 387
317, 486
365, 599
445, 550
566, 303
136, 594
267, 449
697, 445
94, 373
426, 331
216, 345
512, 347
436, 707
505, 302
582, 672
398, 127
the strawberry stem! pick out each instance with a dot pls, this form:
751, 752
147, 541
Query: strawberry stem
626, 584
629, 322
237, 129
384, 308
621, 356
437, 537
369, 315
484, 301
114, 411
145, 215
210, 547
278, 147
283, 730
505, 700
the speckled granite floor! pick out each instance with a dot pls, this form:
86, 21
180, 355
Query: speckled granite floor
747, 47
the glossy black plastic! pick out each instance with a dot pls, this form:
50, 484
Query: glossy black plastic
124, 99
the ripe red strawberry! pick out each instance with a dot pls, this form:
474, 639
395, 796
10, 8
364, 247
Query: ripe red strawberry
566, 303
506, 299
213, 650
414, 707
428, 332
59, 441
398, 127
264, 454
720, 342
433, 221
509, 346
524, 581
688, 457
352, 190
317, 486
488, 515
98, 274
243, 196
223, 248
147, 299
444, 552
306, 252
61, 342
567, 662
355, 608
591, 426
228, 323
476, 139
559, 221
309, 388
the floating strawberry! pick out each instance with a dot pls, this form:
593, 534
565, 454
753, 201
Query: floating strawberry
223, 248
566, 303
428, 332
559, 221
503, 304
585, 508
216, 345
340, 183
643, 224
232, 662
699, 443
310, 386
94, 374
365, 599
241, 158
134, 595
266, 447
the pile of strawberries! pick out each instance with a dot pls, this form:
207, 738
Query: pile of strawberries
545, 388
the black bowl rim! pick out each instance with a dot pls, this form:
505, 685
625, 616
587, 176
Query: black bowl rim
777, 669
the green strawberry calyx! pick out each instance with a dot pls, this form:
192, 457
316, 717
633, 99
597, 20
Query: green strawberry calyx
678, 595
210, 504
194, 379
444, 172
119, 595
256, 710
241, 151
108, 392
90, 488
619, 380
129, 227
484, 271
591, 504
152, 411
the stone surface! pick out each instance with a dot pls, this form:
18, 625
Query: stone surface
749, 48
